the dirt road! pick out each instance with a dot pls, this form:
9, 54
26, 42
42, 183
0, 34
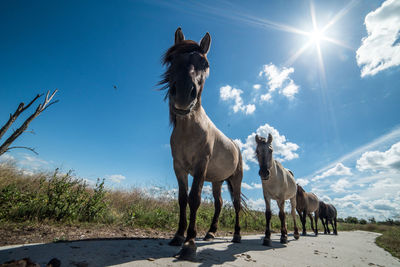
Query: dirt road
347, 249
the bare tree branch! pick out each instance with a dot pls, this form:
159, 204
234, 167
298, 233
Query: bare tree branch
24, 147
21, 108
41, 107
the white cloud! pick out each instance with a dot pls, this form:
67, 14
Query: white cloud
116, 178
257, 86
246, 186
380, 50
252, 186
341, 185
337, 170
229, 93
290, 90
376, 160
258, 204
302, 182
283, 150
266, 97
256, 186
278, 79
6, 157
384, 140
33, 163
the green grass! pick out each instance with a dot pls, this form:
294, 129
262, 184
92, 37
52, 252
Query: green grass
61, 198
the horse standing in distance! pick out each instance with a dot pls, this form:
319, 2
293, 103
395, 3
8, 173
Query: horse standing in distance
329, 213
198, 147
278, 183
306, 204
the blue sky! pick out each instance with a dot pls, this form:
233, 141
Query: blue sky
333, 110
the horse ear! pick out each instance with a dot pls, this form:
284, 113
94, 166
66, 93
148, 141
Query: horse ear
179, 37
258, 140
205, 43
269, 138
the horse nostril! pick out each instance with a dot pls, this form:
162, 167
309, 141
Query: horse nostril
193, 93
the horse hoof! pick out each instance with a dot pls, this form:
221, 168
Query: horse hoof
236, 238
188, 251
283, 240
267, 242
177, 241
335, 233
304, 234
209, 236
316, 233
296, 236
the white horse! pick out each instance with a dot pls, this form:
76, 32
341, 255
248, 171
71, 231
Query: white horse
278, 183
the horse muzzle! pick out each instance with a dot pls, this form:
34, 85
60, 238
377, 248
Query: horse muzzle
264, 174
183, 112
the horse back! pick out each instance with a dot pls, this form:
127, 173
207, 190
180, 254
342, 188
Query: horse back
331, 211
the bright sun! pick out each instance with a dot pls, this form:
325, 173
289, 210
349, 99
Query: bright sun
316, 36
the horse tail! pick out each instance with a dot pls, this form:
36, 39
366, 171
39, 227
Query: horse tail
243, 199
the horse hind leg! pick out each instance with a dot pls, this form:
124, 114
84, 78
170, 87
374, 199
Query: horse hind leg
234, 185
335, 229
293, 212
303, 222
327, 225
282, 217
216, 187
312, 224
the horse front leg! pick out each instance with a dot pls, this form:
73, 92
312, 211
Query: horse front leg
293, 212
216, 187
282, 217
268, 215
316, 214
188, 251
182, 178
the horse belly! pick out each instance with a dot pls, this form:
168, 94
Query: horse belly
223, 161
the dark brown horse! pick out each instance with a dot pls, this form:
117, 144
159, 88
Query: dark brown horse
329, 213
306, 204
198, 147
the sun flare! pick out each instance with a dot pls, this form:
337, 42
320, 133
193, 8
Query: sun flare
316, 36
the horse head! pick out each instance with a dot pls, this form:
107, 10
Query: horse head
264, 155
187, 71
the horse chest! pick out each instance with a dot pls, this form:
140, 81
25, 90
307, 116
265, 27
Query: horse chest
189, 149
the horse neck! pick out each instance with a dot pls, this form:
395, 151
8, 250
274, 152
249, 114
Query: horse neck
274, 170
195, 119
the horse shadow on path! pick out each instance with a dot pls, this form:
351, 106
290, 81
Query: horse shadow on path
114, 251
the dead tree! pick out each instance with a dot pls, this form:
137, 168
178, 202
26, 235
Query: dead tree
5, 146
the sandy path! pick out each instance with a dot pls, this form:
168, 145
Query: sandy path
348, 249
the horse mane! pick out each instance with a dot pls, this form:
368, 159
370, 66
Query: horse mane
185, 46
300, 190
